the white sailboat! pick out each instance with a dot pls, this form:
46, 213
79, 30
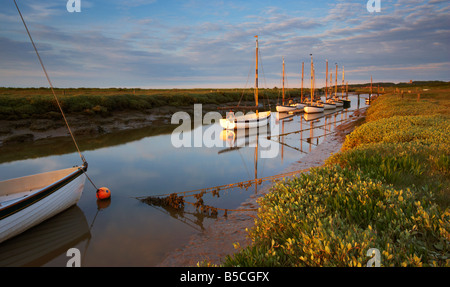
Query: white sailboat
337, 101
249, 120
329, 103
313, 106
285, 108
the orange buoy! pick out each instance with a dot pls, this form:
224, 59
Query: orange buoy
103, 193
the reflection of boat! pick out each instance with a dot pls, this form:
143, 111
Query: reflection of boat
242, 138
41, 244
249, 120
310, 117
29, 200
315, 116
282, 116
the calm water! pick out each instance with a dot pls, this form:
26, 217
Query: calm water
127, 232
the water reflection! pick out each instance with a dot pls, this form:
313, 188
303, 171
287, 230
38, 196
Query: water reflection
127, 232
43, 243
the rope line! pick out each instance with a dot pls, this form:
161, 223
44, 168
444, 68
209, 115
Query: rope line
50, 83
54, 95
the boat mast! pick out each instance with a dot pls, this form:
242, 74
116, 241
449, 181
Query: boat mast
326, 83
335, 84
331, 83
283, 83
301, 95
370, 85
256, 76
343, 82
312, 72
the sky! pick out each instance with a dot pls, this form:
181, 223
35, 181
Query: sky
211, 44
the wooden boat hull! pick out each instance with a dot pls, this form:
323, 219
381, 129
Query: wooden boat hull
346, 104
30, 200
339, 103
314, 109
285, 109
329, 106
248, 121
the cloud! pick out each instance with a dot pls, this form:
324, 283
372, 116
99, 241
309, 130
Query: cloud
213, 45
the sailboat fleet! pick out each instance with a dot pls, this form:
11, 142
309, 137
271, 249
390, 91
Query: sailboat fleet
311, 105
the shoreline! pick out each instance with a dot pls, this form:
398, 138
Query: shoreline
34, 129
217, 240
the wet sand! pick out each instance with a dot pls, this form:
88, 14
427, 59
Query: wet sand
217, 240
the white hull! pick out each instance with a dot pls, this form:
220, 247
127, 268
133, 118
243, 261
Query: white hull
328, 106
285, 109
314, 109
339, 103
66, 192
248, 121
298, 107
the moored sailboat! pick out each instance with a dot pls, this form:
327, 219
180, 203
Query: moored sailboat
250, 120
313, 106
285, 108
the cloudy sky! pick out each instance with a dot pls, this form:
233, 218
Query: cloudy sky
211, 44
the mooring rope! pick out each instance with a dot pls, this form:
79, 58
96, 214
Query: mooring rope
50, 83
54, 94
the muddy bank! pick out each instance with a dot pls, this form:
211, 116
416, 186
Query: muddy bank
217, 240
32, 129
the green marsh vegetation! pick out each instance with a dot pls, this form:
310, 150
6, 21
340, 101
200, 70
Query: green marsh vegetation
388, 188
20, 103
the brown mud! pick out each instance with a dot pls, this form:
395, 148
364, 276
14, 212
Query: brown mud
33, 129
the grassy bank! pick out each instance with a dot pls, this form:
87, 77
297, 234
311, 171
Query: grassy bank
387, 189
18, 103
